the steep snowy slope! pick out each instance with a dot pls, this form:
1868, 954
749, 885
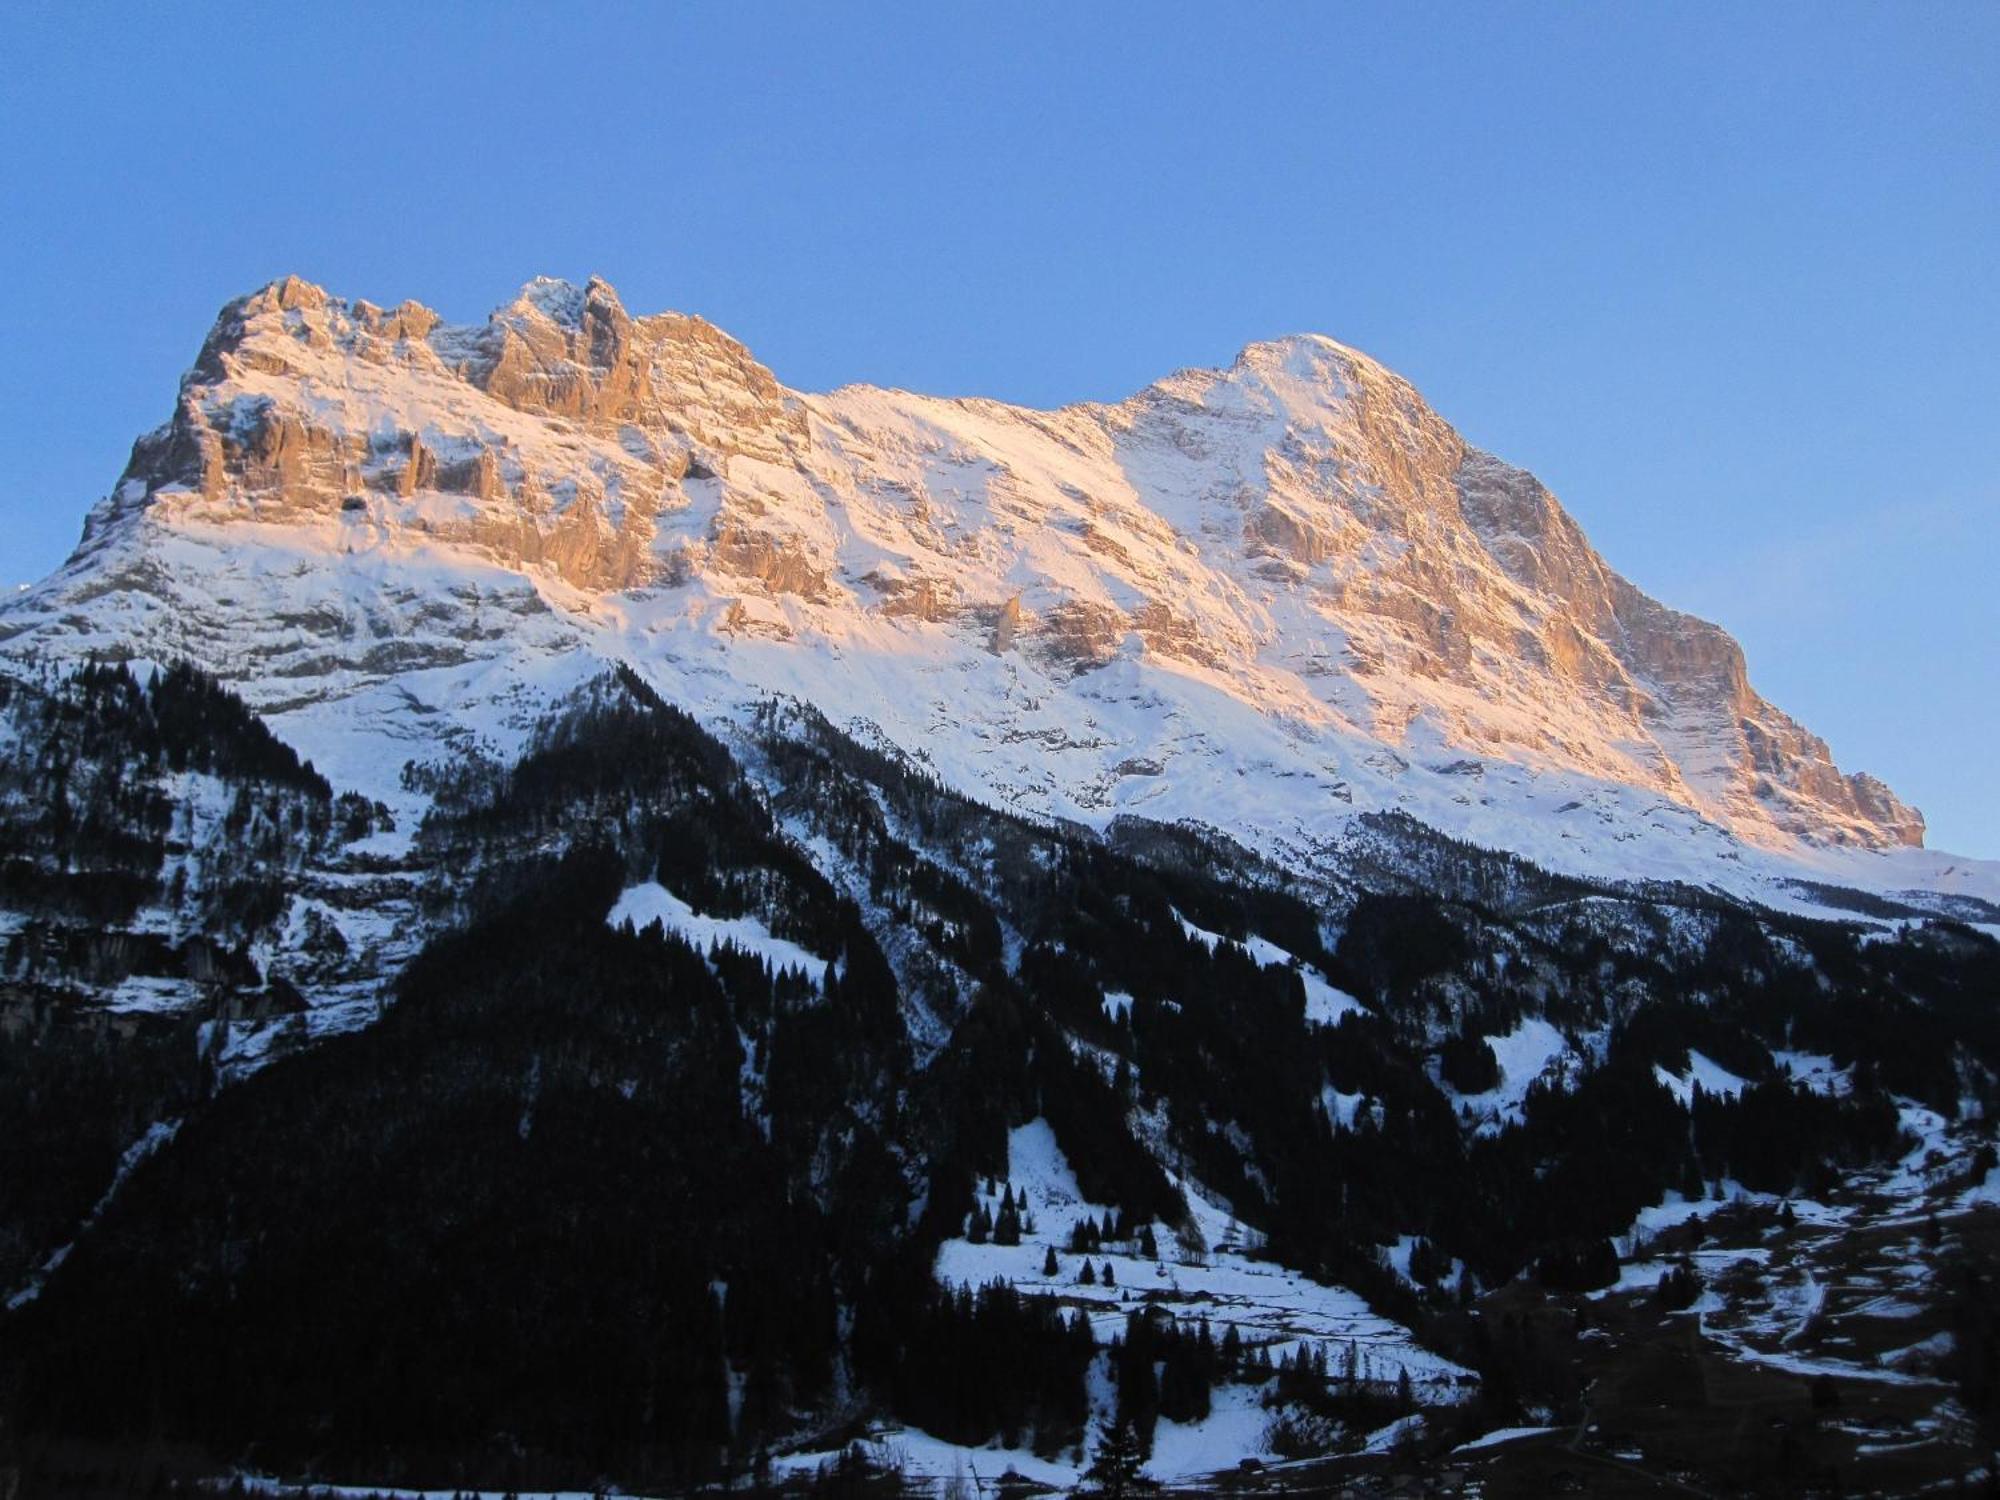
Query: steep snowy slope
1268, 598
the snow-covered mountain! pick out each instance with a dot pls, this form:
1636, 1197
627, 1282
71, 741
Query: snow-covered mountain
982, 930
1268, 598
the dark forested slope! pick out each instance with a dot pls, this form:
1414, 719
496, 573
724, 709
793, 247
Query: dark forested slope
589, 1204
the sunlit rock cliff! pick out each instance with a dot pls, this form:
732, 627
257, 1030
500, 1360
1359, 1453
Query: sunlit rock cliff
1268, 597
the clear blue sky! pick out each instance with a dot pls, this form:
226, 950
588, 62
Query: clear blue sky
1723, 275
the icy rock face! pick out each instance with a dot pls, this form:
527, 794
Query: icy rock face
1267, 597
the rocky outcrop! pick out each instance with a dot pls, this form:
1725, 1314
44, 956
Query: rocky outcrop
1078, 634
561, 351
747, 552
934, 601
1006, 626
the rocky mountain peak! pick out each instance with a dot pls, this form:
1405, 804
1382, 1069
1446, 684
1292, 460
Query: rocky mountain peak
553, 299
1297, 570
1311, 358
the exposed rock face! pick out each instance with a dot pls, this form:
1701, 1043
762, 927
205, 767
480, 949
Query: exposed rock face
300, 408
1292, 565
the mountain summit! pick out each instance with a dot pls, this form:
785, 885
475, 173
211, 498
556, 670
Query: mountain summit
1267, 598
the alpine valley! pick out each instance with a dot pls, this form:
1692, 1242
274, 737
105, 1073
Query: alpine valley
574, 918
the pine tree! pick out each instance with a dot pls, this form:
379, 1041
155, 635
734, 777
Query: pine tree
1678, 1287
1114, 1464
1110, 1277
1050, 1265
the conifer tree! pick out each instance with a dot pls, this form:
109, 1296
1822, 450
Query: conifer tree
1114, 1463
1232, 1352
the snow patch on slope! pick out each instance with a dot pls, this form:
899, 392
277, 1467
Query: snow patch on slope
1712, 1077
1325, 1003
1208, 1276
640, 906
1534, 1051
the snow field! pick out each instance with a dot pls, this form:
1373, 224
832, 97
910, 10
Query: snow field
1712, 1078
1267, 1304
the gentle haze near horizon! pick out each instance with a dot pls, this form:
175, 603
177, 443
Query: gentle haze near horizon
1725, 280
